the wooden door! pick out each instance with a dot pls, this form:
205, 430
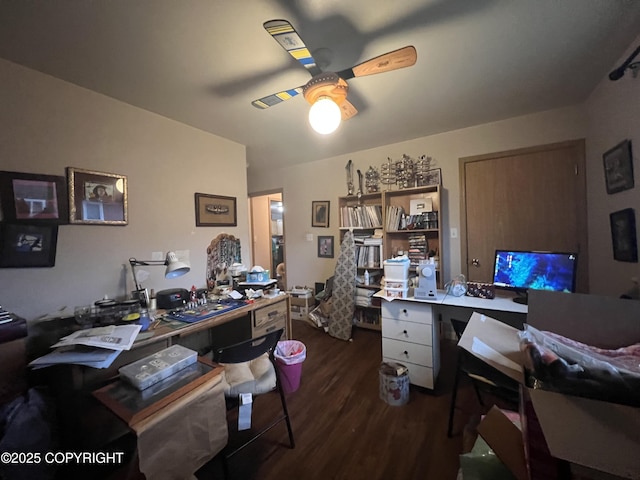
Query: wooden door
528, 199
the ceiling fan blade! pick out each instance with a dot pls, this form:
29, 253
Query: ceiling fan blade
284, 33
348, 110
275, 98
401, 58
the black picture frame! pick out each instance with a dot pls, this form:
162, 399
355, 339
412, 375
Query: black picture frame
33, 198
623, 235
618, 167
320, 213
97, 198
215, 210
325, 246
28, 246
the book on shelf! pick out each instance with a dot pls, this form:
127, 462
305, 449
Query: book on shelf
361, 216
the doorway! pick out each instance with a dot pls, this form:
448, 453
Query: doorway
268, 234
526, 199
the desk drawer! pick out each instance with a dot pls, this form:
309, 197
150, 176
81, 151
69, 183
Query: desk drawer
409, 311
407, 331
407, 352
268, 319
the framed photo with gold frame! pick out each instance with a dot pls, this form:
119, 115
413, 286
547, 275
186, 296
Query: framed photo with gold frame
215, 211
33, 198
97, 198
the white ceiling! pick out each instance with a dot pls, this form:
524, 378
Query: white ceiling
202, 62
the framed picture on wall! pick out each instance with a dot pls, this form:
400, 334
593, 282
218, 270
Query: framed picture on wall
97, 198
325, 246
623, 235
25, 246
618, 167
215, 211
320, 213
33, 198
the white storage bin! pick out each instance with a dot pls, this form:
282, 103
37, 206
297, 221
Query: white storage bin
397, 269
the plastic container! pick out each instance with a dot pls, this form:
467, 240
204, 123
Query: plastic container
396, 292
397, 268
290, 354
394, 383
391, 283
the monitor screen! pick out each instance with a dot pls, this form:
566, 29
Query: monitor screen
521, 271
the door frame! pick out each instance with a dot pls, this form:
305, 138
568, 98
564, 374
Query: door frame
267, 193
582, 282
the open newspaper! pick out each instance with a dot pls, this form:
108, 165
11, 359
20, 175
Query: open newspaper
94, 347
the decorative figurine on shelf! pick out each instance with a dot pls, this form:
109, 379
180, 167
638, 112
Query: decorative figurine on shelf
359, 184
388, 173
349, 169
371, 180
423, 165
405, 174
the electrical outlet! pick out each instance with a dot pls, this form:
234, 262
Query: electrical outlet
454, 232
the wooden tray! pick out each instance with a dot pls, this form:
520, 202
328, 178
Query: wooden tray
133, 405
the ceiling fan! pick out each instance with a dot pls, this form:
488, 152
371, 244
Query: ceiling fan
327, 91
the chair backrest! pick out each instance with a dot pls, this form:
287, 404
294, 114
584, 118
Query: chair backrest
249, 349
458, 327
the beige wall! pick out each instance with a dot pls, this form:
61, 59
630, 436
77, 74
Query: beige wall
326, 180
47, 124
613, 116
609, 116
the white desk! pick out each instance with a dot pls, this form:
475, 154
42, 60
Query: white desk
411, 328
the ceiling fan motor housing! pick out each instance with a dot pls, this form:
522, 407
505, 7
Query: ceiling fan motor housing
327, 84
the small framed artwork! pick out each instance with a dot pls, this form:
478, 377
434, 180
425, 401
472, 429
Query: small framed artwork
320, 213
33, 198
325, 246
27, 246
215, 211
97, 198
618, 167
431, 177
623, 235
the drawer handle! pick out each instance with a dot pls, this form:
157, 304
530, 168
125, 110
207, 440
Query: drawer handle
406, 353
404, 311
405, 332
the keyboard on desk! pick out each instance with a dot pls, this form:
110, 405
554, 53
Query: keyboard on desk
203, 312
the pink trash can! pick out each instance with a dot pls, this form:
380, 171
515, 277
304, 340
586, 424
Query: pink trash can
289, 357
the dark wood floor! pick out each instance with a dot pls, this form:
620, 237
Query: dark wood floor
342, 428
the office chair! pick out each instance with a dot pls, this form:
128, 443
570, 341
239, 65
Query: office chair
482, 376
250, 367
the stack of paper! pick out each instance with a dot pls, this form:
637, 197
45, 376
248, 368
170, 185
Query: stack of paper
94, 347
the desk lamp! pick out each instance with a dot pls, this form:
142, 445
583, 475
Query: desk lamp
175, 268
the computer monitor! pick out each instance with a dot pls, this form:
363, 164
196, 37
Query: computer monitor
521, 271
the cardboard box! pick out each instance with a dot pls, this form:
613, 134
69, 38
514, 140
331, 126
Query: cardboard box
592, 433
299, 312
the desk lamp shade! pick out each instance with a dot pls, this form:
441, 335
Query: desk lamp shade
175, 268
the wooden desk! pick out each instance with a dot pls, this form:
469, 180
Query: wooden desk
266, 314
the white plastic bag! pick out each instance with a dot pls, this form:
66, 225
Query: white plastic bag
290, 352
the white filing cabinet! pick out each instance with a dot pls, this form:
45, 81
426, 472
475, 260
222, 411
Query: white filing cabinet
410, 335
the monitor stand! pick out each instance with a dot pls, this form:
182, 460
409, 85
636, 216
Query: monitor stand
522, 298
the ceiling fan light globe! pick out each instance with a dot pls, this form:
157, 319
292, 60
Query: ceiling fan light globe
325, 115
